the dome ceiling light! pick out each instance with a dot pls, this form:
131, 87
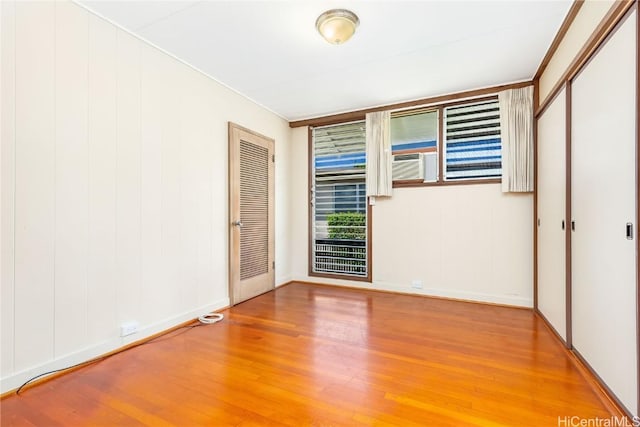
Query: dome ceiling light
337, 25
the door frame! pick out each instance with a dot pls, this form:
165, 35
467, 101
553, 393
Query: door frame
236, 133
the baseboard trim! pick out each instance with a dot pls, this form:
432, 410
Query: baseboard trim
10, 384
467, 298
604, 393
283, 281
551, 328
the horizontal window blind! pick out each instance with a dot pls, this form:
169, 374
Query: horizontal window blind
339, 228
472, 141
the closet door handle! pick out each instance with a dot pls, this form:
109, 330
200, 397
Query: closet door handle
563, 224
573, 225
629, 231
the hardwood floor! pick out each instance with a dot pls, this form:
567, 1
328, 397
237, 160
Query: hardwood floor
324, 356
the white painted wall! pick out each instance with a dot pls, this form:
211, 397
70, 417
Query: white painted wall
470, 241
585, 22
7, 189
114, 187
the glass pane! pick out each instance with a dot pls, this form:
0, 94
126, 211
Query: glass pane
339, 200
414, 141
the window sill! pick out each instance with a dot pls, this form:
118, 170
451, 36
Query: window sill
419, 183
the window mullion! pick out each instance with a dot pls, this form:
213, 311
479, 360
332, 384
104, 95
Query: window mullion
441, 152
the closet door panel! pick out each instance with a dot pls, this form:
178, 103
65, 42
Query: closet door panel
551, 186
603, 121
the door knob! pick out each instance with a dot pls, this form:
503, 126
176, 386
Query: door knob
237, 223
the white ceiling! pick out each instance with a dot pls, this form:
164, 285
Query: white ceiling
270, 51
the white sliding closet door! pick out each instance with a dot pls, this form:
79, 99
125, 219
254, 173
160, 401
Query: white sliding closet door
603, 202
551, 214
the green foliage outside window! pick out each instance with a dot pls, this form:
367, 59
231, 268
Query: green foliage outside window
347, 225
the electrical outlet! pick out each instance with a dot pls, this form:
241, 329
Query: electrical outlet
416, 284
128, 328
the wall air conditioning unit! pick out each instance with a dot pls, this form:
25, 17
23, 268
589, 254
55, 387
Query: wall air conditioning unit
422, 166
430, 161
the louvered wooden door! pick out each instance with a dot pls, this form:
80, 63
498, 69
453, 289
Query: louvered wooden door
251, 209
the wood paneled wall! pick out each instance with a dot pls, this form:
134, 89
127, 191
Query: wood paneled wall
114, 187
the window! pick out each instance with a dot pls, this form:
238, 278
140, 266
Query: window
339, 203
473, 145
452, 143
470, 150
414, 144
350, 198
334, 198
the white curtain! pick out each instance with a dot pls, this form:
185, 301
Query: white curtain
516, 129
378, 143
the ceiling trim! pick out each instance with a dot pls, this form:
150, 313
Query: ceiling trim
360, 114
616, 12
562, 32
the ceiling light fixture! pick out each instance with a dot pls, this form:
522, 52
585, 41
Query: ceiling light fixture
337, 25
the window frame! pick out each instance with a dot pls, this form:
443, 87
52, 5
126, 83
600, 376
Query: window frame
311, 220
441, 182
422, 110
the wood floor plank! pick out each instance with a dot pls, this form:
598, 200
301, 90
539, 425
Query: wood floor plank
322, 356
